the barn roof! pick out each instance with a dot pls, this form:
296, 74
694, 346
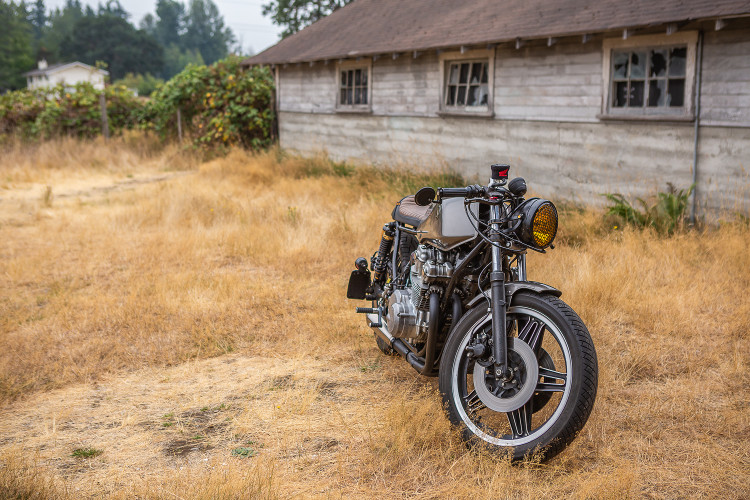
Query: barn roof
368, 27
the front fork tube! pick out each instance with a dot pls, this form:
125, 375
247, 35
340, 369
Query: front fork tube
498, 304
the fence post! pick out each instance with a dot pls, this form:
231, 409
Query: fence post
179, 125
105, 122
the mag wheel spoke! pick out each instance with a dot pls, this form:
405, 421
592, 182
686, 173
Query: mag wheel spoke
473, 403
548, 380
520, 420
532, 333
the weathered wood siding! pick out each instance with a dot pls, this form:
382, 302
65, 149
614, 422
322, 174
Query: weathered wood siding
725, 95
557, 83
306, 89
575, 161
546, 106
406, 86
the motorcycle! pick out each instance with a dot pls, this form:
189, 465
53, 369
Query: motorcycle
517, 367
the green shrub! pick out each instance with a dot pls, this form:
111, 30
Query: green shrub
67, 110
221, 105
666, 215
143, 84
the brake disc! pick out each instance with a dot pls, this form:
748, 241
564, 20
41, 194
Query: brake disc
530, 369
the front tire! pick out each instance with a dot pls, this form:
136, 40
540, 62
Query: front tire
558, 338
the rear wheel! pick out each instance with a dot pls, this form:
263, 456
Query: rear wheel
551, 393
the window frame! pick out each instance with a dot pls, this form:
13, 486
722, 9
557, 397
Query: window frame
354, 65
686, 112
469, 56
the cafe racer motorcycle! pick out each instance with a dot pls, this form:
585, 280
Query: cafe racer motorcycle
448, 290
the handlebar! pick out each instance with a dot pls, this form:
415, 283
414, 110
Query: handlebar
464, 192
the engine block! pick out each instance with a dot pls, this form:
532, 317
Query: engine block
429, 266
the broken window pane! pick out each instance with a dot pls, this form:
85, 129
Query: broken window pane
471, 98
451, 96
676, 93
677, 58
461, 98
483, 95
484, 73
620, 65
658, 63
621, 95
636, 94
476, 72
638, 65
464, 73
657, 93
453, 79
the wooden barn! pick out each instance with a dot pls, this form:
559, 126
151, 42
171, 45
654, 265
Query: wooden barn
581, 97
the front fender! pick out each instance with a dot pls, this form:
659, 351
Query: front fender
511, 287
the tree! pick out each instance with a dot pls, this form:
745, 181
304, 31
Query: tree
16, 55
113, 8
60, 26
38, 18
293, 15
171, 22
112, 39
176, 59
205, 31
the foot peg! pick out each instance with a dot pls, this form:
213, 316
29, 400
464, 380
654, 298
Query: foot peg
372, 310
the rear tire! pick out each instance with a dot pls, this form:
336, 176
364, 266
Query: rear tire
523, 432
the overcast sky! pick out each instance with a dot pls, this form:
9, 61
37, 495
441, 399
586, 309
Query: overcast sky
243, 16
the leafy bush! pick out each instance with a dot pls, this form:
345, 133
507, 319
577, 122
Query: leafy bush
66, 110
666, 215
221, 105
143, 84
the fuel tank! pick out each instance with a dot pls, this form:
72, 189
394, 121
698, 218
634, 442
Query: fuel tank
448, 226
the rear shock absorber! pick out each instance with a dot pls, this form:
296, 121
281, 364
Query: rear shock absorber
380, 262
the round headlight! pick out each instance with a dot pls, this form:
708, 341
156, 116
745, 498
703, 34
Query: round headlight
539, 225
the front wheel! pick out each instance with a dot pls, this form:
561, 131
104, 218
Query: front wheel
546, 402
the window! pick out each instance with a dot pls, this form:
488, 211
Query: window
354, 83
353, 87
467, 82
650, 76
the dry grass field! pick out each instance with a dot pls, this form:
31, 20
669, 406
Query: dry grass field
171, 328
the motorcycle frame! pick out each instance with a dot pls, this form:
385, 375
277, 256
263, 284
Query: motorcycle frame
498, 299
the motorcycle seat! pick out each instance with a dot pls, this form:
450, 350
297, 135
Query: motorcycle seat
408, 212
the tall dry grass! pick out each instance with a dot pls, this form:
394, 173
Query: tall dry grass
224, 285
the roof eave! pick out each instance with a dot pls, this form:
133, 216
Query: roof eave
259, 60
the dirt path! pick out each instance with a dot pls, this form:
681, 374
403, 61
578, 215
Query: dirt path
88, 187
198, 415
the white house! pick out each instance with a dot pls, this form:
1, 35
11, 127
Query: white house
65, 73
580, 97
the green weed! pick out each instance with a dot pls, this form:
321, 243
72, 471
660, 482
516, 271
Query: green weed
86, 452
667, 214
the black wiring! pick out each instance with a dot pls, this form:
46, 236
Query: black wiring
470, 215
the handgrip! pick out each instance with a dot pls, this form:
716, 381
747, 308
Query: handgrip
464, 192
